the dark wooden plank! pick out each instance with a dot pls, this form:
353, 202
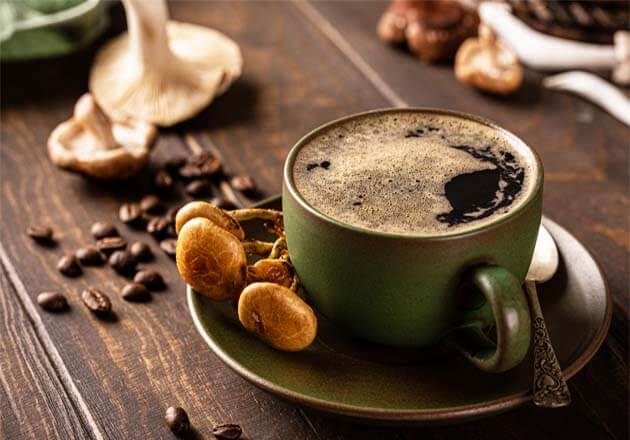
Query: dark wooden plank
33, 400
128, 371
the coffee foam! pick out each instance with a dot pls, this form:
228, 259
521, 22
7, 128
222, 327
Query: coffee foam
387, 172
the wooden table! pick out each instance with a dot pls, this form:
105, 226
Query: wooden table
73, 376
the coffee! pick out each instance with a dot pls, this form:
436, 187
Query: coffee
414, 172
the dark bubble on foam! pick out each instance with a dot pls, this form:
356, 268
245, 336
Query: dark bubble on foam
413, 173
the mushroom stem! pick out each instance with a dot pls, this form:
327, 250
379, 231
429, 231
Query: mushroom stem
245, 214
92, 119
257, 247
146, 21
278, 246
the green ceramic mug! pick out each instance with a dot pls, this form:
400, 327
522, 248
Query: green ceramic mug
421, 290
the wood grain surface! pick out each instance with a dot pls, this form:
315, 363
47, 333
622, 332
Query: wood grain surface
75, 376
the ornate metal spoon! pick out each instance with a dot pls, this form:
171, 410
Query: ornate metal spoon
550, 388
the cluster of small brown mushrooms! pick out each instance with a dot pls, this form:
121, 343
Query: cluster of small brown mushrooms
212, 257
444, 30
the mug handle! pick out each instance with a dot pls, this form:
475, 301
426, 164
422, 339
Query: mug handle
510, 314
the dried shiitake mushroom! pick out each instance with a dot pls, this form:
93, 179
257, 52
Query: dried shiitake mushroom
208, 210
162, 71
488, 64
278, 316
433, 29
210, 259
271, 270
90, 144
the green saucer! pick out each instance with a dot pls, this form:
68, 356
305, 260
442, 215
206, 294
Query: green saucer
341, 375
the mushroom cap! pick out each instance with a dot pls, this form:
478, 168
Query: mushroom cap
278, 316
205, 65
210, 259
207, 210
495, 70
271, 270
72, 147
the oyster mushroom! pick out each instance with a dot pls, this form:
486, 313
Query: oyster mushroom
162, 71
278, 316
488, 64
90, 144
210, 259
433, 29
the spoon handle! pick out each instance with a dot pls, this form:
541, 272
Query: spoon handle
550, 388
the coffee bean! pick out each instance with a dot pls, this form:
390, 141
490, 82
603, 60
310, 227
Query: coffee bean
160, 227
200, 158
151, 279
89, 256
123, 262
135, 292
244, 184
130, 213
171, 214
96, 301
151, 204
103, 229
223, 203
110, 244
40, 234
198, 187
169, 246
52, 301
69, 266
174, 163
163, 180
177, 420
189, 172
227, 431
141, 251
211, 168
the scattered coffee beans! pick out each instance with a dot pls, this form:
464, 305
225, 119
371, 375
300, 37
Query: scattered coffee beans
177, 420
135, 292
223, 203
130, 213
163, 180
227, 431
151, 204
110, 244
123, 262
69, 266
141, 251
160, 227
103, 229
244, 184
52, 301
40, 234
169, 246
96, 301
151, 279
89, 256
198, 187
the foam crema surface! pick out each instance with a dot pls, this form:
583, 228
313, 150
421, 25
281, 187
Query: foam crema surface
414, 172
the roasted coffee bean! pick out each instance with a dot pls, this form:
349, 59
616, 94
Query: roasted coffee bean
130, 213
160, 227
52, 301
174, 163
103, 229
169, 246
198, 187
189, 172
151, 279
211, 168
227, 431
244, 184
96, 301
109, 245
135, 292
223, 203
163, 180
200, 158
151, 204
69, 266
141, 251
171, 214
89, 256
177, 420
123, 262
41, 234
